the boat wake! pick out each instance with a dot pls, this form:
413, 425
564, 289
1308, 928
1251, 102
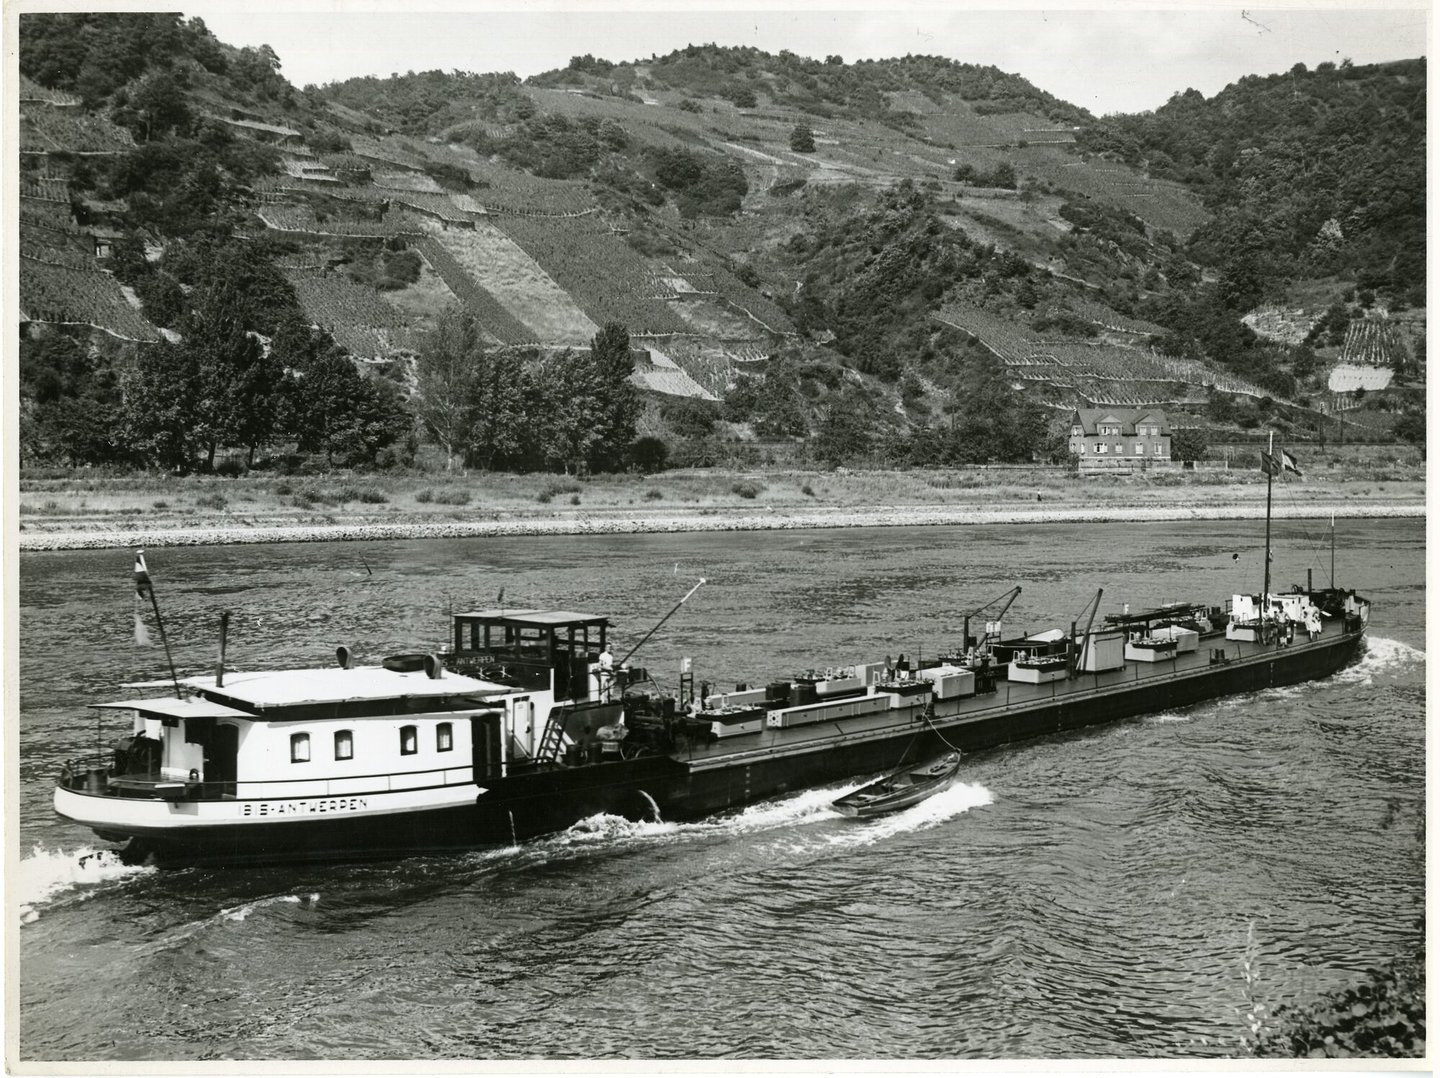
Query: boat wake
1168, 717
47, 876
232, 914
946, 805
239, 913
784, 814
1382, 655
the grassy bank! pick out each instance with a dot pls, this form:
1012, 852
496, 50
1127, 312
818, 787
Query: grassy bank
52, 503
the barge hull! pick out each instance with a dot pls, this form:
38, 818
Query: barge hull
529, 804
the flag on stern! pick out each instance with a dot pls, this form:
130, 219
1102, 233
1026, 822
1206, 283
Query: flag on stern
1269, 463
142, 576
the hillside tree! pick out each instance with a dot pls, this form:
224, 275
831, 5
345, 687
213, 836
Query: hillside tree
446, 382
619, 400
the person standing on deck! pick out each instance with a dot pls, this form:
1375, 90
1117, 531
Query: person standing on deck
607, 672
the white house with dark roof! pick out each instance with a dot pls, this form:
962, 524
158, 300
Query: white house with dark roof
1107, 439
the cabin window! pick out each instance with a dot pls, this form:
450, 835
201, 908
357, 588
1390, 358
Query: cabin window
409, 745
299, 748
444, 737
344, 745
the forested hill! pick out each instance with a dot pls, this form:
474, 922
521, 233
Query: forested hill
1311, 173
915, 260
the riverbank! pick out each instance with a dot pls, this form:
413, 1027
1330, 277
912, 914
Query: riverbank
78, 510
703, 520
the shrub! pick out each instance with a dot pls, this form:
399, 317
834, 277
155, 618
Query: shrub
568, 486
808, 490
162, 504
283, 487
425, 497
653, 495
211, 501
747, 489
544, 497
574, 499
451, 497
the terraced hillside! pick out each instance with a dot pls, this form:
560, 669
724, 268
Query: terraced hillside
798, 239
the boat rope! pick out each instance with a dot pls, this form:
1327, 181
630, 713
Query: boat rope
928, 715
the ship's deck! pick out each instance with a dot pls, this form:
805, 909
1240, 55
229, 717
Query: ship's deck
1010, 696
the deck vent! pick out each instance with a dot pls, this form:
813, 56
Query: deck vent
433, 669
342, 657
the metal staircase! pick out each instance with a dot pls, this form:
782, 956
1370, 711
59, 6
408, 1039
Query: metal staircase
553, 739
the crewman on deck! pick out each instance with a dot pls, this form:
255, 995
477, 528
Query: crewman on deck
607, 672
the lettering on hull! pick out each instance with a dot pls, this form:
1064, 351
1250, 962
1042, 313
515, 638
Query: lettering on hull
304, 808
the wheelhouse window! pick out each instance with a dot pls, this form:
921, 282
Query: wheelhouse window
444, 737
344, 745
299, 748
409, 744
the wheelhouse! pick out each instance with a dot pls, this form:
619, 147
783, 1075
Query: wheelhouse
533, 650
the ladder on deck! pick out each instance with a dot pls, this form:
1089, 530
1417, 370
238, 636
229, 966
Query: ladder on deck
553, 738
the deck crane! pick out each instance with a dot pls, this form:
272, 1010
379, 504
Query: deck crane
992, 627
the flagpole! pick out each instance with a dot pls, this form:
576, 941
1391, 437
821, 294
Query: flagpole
1269, 487
145, 587
1332, 550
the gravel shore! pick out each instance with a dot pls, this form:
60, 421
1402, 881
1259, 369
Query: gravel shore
620, 522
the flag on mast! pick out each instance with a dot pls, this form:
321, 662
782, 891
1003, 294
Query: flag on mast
1288, 463
142, 576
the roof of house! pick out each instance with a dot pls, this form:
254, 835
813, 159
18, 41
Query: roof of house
1090, 418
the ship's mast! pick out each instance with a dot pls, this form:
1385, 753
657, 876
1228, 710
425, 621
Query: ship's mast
1332, 550
1269, 470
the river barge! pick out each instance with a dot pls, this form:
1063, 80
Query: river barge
524, 724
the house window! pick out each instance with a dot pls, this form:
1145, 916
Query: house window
409, 745
299, 748
1139, 448
1082, 447
1102, 447
1159, 449
344, 745
444, 737
1077, 430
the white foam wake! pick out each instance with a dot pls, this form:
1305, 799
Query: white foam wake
784, 814
48, 874
946, 805
1382, 655
239, 913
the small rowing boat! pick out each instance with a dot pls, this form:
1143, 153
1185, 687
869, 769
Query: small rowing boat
902, 788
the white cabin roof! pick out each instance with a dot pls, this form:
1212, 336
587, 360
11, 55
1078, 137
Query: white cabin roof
171, 707
333, 684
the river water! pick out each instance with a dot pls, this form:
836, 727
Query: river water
1126, 891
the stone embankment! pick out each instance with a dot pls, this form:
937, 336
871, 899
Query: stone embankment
617, 523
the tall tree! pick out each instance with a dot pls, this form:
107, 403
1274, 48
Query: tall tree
568, 395
158, 419
619, 404
236, 382
498, 432
446, 382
